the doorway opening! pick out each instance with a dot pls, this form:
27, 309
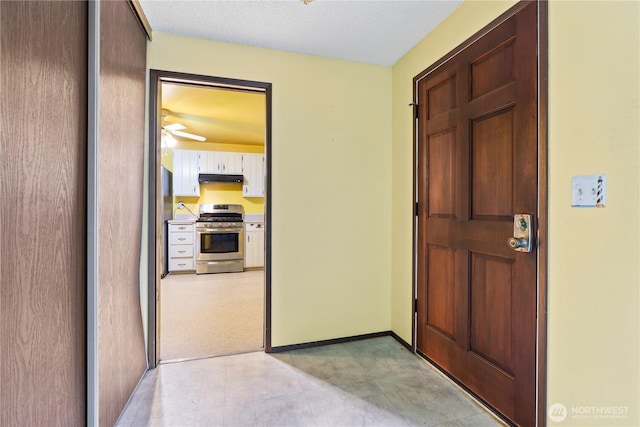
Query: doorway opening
221, 128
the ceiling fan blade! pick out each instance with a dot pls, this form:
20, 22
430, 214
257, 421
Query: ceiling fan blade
174, 126
188, 135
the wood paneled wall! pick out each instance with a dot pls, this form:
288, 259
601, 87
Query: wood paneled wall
121, 353
42, 217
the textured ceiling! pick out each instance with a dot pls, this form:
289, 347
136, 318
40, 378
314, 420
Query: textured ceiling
374, 32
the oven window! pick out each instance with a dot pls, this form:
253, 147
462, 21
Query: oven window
218, 243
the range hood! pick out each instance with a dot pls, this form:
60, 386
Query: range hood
217, 177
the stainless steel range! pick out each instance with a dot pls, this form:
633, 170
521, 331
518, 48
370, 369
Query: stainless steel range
219, 239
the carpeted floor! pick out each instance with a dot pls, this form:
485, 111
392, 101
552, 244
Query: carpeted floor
211, 314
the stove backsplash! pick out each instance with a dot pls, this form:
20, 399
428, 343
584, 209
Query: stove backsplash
219, 194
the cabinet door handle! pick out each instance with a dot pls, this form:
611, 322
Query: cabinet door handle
181, 252
249, 239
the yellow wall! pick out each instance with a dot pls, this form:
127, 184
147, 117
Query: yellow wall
230, 193
594, 254
594, 264
331, 182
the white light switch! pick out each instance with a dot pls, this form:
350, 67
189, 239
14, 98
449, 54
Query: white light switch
589, 191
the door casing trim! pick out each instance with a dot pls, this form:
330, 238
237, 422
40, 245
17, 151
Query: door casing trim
153, 274
541, 247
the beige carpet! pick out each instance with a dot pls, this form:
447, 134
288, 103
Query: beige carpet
211, 314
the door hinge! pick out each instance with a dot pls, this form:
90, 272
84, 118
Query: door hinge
415, 305
415, 109
417, 211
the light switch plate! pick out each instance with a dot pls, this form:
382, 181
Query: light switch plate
589, 191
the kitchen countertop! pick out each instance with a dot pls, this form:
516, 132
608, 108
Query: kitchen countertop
182, 221
253, 217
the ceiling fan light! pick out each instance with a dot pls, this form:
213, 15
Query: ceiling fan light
168, 140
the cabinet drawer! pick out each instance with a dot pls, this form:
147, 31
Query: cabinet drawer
180, 228
254, 226
181, 238
178, 264
178, 251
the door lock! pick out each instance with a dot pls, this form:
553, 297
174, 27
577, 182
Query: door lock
522, 233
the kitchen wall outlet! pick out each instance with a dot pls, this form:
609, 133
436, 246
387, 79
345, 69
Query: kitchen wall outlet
589, 191
180, 205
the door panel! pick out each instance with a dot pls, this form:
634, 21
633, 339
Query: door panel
442, 96
490, 310
492, 166
43, 76
477, 163
442, 169
121, 352
492, 70
441, 307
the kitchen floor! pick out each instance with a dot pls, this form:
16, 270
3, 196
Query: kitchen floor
374, 382
211, 314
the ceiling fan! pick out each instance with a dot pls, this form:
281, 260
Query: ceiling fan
168, 130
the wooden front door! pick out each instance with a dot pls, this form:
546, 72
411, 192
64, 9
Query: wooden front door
477, 167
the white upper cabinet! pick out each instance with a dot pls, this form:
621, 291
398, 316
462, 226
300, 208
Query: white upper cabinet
185, 173
253, 171
230, 163
222, 162
187, 164
206, 162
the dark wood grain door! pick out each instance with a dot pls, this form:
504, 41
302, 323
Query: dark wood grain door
477, 148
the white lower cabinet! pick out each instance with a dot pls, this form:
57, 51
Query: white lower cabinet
181, 247
254, 245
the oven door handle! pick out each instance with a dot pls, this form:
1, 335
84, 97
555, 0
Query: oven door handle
219, 230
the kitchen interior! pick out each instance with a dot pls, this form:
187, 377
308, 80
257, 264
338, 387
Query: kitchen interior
211, 297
